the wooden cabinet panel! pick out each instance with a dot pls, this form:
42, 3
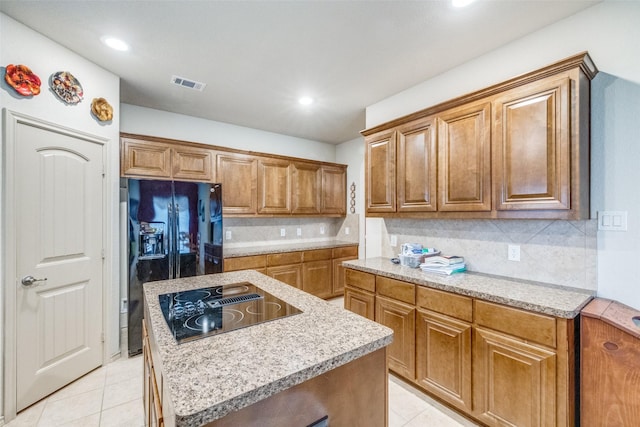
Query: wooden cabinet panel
381, 172
401, 318
514, 382
457, 306
253, 262
317, 278
361, 280
531, 143
360, 302
443, 358
416, 166
238, 175
289, 274
317, 255
274, 186
192, 164
339, 273
396, 289
334, 190
610, 359
464, 145
306, 186
345, 251
525, 324
145, 159
284, 258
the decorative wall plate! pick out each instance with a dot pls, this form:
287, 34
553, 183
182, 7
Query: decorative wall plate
101, 109
67, 87
22, 79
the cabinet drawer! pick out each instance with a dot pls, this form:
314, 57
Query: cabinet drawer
453, 305
245, 263
317, 255
360, 279
284, 258
345, 252
396, 289
523, 324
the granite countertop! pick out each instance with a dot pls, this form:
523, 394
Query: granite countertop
210, 377
558, 301
232, 252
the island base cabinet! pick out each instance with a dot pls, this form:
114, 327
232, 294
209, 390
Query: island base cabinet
151, 395
514, 382
354, 395
443, 358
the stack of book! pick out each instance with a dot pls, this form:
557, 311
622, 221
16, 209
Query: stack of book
443, 264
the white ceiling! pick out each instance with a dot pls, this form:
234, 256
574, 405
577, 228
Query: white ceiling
258, 57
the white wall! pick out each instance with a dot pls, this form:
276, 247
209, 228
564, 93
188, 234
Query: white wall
351, 153
609, 31
21, 45
147, 121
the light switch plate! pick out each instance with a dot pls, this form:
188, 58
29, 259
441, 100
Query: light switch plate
514, 253
394, 240
227, 235
612, 220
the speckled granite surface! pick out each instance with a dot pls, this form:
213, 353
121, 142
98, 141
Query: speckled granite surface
539, 297
213, 376
283, 247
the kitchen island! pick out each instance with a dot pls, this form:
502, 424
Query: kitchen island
292, 371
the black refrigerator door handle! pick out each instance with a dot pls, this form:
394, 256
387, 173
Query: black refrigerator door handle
170, 239
176, 223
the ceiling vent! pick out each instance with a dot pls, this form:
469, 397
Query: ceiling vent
189, 84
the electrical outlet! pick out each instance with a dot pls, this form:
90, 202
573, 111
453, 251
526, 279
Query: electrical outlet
299, 231
394, 241
514, 253
124, 305
227, 235
346, 230
283, 232
322, 229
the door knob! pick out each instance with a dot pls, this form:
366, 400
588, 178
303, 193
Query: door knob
30, 280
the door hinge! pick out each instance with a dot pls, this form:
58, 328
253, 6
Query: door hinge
102, 337
102, 253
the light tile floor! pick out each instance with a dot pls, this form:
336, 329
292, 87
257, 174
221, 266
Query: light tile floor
111, 396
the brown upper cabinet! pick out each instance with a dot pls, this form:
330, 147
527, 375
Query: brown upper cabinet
518, 149
239, 175
464, 142
153, 159
274, 186
307, 181
254, 184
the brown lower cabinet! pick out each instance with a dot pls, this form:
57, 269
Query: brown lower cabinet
500, 365
318, 272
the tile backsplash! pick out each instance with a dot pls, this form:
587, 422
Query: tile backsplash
267, 231
551, 251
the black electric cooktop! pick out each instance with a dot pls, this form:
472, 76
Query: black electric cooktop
200, 313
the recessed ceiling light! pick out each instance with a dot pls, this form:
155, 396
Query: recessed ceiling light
305, 100
115, 43
461, 3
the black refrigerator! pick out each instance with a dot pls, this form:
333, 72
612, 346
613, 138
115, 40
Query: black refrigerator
174, 230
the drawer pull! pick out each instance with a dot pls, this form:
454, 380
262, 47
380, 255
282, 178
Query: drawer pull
610, 346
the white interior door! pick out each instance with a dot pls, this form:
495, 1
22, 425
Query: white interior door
59, 237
